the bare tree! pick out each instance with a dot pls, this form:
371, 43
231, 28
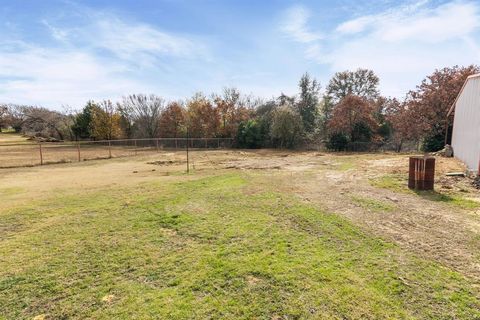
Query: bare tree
14, 116
67, 120
3, 116
40, 121
143, 113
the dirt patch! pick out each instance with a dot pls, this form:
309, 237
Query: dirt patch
165, 162
108, 298
460, 184
252, 280
276, 161
244, 166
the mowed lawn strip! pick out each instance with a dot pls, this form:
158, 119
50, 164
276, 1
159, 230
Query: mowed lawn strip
217, 247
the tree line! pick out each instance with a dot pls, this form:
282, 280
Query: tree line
349, 114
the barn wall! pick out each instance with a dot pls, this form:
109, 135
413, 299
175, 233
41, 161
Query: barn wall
466, 125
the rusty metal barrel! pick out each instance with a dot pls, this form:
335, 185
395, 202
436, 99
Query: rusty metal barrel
421, 173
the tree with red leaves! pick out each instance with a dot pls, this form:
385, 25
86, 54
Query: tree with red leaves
233, 110
353, 116
203, 118
398, 116
428, 105
173, 121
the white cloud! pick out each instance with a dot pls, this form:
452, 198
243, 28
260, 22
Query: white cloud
356, 25
102, 56
295, 25
56, 77
138, 42
403, 44
388, 18
418, 22
57, 33
117, 36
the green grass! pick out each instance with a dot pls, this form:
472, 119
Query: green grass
10, 191
455, 200
398, 183
474, 245
215, 248
373, 204
346, 164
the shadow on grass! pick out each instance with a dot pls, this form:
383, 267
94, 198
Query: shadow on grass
398, 183
451, 199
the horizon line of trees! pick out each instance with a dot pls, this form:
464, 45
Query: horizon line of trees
350, 114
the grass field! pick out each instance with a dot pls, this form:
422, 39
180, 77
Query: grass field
246, 235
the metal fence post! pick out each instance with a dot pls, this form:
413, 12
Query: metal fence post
78, 151
41, 154
135, 141
157, 144
218, 142
109, 149
188, 164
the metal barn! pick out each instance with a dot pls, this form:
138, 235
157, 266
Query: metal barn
466, 123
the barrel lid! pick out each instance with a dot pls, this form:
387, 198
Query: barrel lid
422, 157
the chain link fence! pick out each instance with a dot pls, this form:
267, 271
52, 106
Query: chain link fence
41, 153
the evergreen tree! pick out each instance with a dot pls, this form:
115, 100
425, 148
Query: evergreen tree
309, 100
82, 125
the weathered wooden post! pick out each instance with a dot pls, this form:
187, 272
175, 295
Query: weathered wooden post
78, 151
41, 153
188, 164
421, 173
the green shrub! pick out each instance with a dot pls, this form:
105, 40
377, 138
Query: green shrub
434, 142
249, 135
361, 132
337, 142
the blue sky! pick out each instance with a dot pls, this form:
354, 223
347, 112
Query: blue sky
65, 52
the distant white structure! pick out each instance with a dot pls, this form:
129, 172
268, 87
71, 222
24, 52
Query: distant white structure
466, 123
